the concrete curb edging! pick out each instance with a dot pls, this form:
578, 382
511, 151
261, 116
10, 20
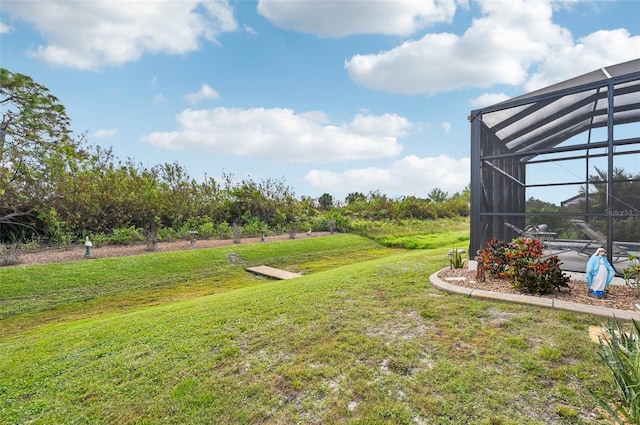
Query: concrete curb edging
531, 300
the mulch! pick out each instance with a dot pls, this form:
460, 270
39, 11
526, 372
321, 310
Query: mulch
620, 297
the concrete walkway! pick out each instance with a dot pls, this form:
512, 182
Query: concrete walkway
272, 272
452, 288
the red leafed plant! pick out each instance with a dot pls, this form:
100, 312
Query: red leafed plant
521, 262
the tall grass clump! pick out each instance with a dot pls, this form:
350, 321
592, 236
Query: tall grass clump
9, 254
415, 234
620, 351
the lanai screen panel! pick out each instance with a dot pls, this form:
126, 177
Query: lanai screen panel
575, 127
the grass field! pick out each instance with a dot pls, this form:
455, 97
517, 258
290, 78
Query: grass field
362, 338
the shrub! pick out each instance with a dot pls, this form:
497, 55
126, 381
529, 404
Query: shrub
223, 230
58, 230
495, 257
253, 227
520, 261
168, 233
525, 248
126, 235
206, 230
98, 239
536, 276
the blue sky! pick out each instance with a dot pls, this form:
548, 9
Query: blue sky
331, 96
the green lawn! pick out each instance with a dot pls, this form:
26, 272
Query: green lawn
191, 338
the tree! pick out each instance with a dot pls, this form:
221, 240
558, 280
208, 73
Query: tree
625, 196
355, 197
438, 195
624, 202
413, 207
380, 206
325, 201
279, 205
35, 147
465, 194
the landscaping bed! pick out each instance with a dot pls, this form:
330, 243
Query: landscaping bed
618, 296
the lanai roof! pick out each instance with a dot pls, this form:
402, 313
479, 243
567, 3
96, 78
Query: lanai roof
547, 117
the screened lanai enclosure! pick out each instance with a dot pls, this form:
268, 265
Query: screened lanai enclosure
562, 164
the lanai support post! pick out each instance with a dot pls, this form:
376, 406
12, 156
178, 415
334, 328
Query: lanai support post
476, 181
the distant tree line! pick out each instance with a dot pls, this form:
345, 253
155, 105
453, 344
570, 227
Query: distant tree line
57, 189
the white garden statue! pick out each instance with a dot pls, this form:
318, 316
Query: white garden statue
599, 273
87, 247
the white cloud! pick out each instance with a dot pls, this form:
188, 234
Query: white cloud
599, 49
249, 30
343, 18
4, 28
497, 49
103, 133
487, 99
281, 134
446, 126
409, 175
508, 42
90, 35
159, 98
204, 93
316, 116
